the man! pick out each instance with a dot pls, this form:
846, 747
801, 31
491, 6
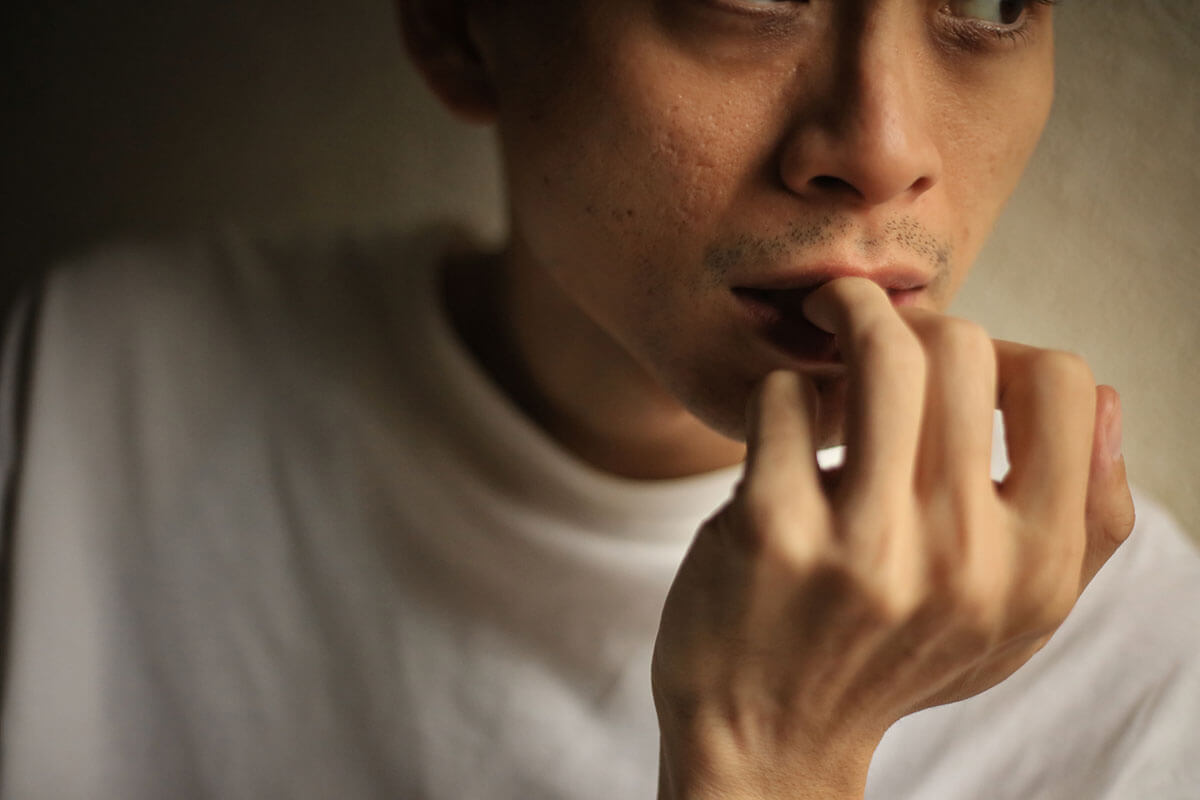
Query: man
295, 540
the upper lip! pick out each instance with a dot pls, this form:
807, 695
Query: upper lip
892, 277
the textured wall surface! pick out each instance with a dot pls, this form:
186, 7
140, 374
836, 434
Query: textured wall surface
137, 117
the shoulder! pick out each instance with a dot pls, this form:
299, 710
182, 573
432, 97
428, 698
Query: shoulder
164, 286
153, 354
186, 307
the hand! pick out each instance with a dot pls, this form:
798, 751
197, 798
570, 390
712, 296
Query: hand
813, 610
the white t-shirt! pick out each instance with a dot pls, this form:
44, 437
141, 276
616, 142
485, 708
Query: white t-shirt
278, 537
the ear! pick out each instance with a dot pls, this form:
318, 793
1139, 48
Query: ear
441, 41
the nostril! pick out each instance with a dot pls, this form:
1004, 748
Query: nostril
920, 185
830, 183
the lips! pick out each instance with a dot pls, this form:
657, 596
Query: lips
776, 309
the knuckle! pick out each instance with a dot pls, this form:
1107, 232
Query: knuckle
978, 606
898, 603
877, 602
758, 519
772, 529
893, 584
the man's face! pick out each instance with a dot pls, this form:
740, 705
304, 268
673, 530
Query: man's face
684, 171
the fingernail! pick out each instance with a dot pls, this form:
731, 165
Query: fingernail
1112, 432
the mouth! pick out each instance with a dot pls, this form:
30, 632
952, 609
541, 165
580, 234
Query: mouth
778, 315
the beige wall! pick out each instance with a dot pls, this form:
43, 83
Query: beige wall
151, 118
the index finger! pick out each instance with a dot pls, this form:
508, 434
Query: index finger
885, 386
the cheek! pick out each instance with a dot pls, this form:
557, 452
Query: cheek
985, 150
628, 153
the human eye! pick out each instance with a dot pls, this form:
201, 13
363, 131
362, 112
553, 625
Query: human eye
761, 6
999, 18
762, 10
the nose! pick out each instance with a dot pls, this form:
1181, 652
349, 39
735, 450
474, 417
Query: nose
865, 138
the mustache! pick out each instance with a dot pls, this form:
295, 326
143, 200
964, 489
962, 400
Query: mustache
899, 238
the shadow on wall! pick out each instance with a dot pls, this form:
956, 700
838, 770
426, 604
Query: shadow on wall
139, 118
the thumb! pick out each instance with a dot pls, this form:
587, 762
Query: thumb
1110, 511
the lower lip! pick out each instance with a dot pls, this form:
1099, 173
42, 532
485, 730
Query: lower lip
904, 297
786, 327
783, 324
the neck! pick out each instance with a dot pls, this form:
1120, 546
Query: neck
572, 379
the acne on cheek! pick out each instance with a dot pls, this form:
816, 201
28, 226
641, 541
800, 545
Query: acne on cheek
693, 165
657, 157
696, 194
661, 179
675, 137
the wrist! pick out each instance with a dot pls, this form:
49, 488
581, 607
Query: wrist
707, 773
